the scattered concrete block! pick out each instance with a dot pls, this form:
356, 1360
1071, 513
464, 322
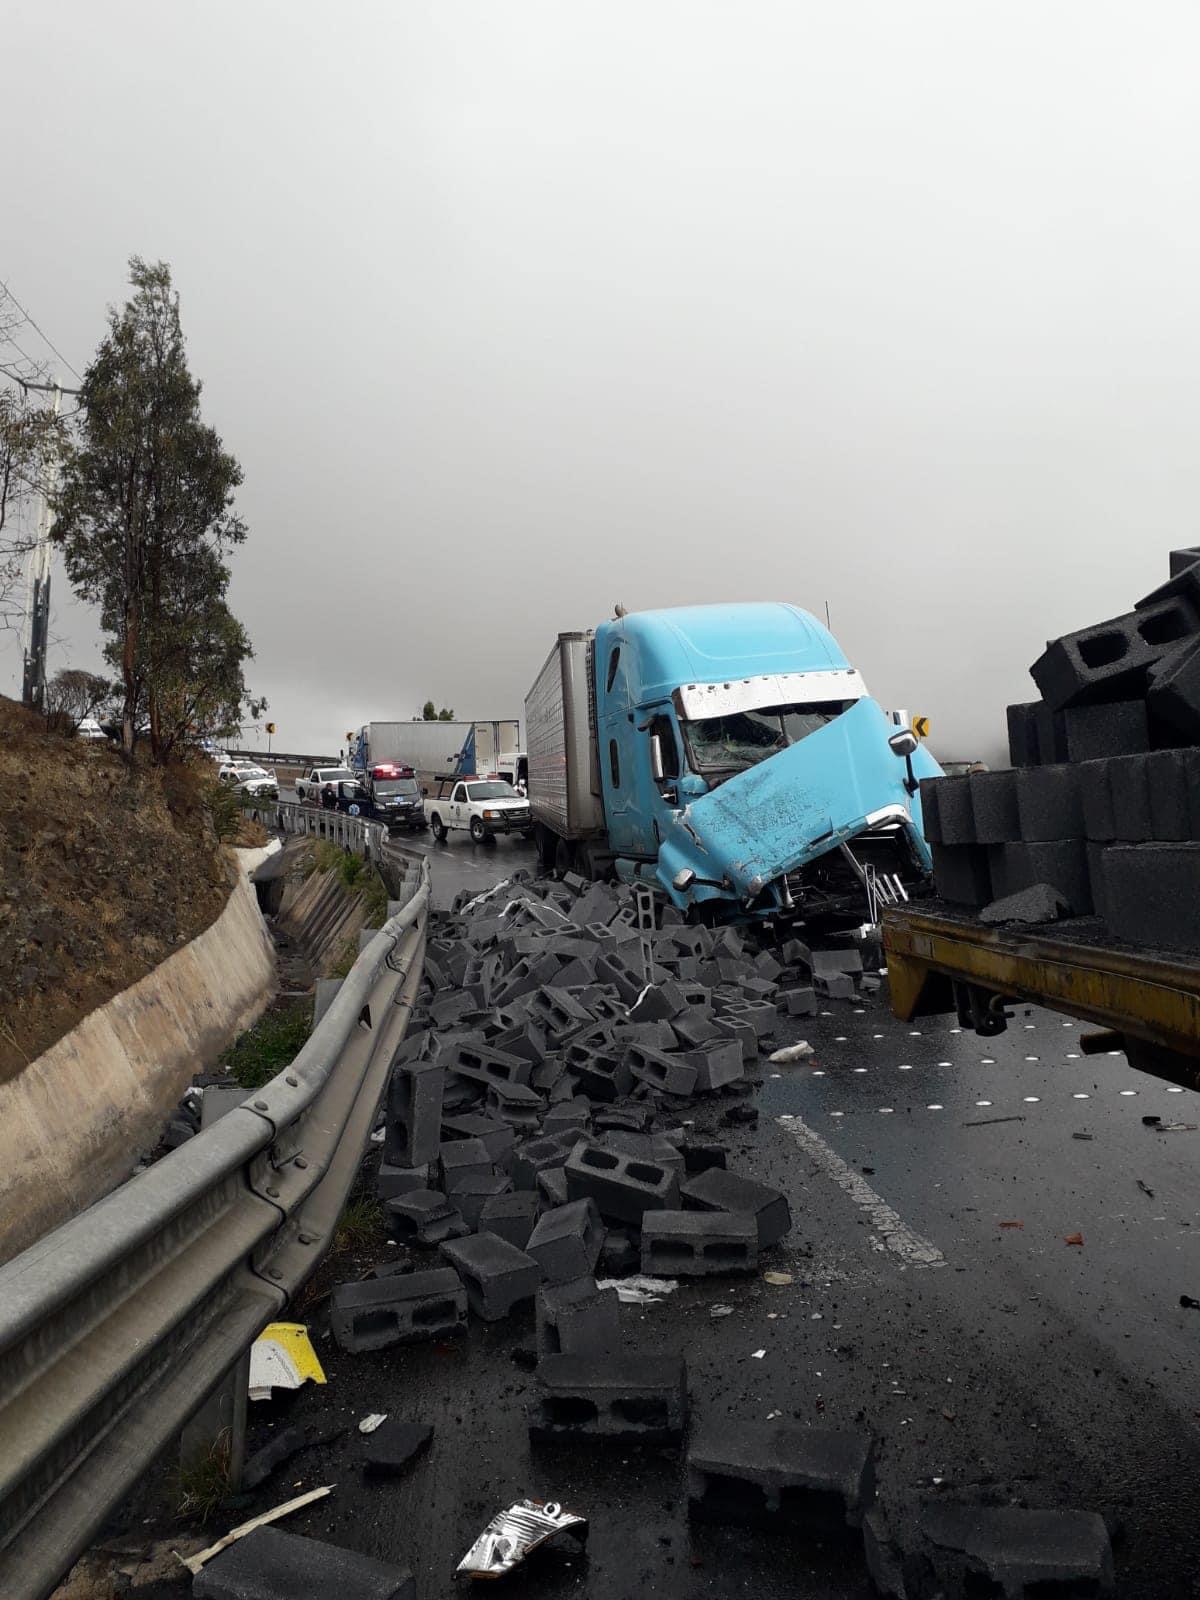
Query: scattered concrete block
962, 873
515, 1104
819, 1481
840, 985
672, 1074
535, 1155
638, 1397
391, 1182
394, 1446
716, 1190
800, 1002
994, 807
720, 1062
1152, 895
484, 1065
269, 1564
697, 1244
1049, 804
510, 1216
471, 1194
623, 1187
398, 1309
1039, 903
700, 1157
1111, 661
424, 1217
414, 1113
496, 1274
496, 1137
1062, 863
566, 1243
577, 1318
463, 1158
571, 1116
1011, 1553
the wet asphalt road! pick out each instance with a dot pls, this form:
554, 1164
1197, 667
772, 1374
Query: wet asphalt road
991, 1362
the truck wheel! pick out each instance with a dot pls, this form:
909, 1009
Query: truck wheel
478, 831
439, 829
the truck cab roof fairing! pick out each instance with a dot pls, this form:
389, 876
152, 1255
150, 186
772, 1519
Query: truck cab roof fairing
715, 644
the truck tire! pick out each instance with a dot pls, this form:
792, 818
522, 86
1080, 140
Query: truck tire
439, 828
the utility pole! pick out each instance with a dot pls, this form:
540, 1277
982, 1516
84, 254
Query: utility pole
37, 610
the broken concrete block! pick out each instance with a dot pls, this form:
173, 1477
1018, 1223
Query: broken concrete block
623, 1187
552, 1186
717, 1190
414, 1113
1041, 902
394, 1446
496, 1274
269, 1564
534, 1155
696, 1244
570, 1116
496, 1137
515, 1104
567, 1241
398, 1309
610, 1397
819, 1481
510, 1216
577, 1318
1011, 1553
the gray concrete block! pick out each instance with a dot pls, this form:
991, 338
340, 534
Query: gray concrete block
1022, 738
697, 1244
496, 1137
414, 1113
510, 1216
568, 1116
423, 1217
720, 1062
623, 1187
1170, 775
515, 1104
716, 1190
1118, 729
819, 1481
1111, 661
671, 1074
1095, 790
546, 1150
1038, 904
463, 1158
1152, 895
1061, 863
800, 1002
497, 1276
472, 1193
954, 811
552, 1186
401, 1308
577, 1318
1011, 1553
1129, 785
269, 1564
994, 806
639, 1397
391, 1182
1173, 697
567, 1241
962, 874
1049, 803
485, 1064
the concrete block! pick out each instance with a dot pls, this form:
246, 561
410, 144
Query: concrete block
954, 812
558, 1012
716, 1190
826, 962
483, 1064
414, 1113
496, 1137
623, 1187
1092, 732
1095, 790
1038, 904
471, 1194
672, 1074
1049, 803
568, 1116
639, 1146
269, 1564
398, 1309
697, 1244
423, 1217
819, 1481
1112, 660
510, 1216
1129, 785
552, 1186
658, 1002
1152, 895
1051, 735
700, 1157
524, 1039
1173, 697
577, 1318
534, 1155
628, 983
1011, 1553
840, 985
393, 1446
962, 874
515, 1104
463, 1158
800, 1002
1170, 779
1061, 863
1022, 739
639, 1397
721, 1062
497, 1275
994, 806
391, 1182
567, 1241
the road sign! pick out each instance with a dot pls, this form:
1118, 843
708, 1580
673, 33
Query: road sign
270, 727
920, 726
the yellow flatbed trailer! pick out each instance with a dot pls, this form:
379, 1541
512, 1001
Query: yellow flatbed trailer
1145, 1002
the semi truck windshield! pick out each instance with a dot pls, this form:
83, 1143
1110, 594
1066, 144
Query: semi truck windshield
739, 740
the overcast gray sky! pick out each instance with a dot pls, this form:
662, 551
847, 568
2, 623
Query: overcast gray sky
517, 308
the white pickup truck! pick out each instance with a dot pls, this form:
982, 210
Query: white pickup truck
308, 789
483, 807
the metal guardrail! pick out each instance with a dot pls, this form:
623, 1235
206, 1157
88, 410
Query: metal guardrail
117, 1326
281, 758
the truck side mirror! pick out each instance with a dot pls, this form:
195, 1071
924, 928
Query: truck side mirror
657, 769
904, 744
683, 879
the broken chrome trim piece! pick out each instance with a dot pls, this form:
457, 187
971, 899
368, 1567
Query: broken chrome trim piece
513, 1534
697, 700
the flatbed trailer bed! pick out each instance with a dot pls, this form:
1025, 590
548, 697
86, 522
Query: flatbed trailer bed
1147, 1002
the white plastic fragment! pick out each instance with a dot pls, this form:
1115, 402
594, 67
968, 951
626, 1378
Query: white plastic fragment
757, 1355
513, 1534
720, 1311
639, 1291
370, 1423
196, 1562
792, 1052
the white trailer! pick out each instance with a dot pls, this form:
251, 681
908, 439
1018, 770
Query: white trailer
564, 780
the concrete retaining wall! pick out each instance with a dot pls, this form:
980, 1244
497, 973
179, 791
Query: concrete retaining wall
73, 1122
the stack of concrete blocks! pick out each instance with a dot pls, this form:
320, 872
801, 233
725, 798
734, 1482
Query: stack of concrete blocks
1102, 802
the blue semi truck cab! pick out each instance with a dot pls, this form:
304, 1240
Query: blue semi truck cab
731, 755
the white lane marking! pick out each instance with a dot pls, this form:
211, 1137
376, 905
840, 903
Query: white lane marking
894, 1234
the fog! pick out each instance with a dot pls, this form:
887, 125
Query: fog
515, 311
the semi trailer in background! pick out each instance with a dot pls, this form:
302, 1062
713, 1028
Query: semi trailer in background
442, 749
731, 755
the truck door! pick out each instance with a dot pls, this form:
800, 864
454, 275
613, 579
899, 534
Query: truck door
655, 777
458, 807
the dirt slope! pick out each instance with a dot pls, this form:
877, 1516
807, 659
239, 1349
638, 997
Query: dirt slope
103, 873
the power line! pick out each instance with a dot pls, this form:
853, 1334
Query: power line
44, 335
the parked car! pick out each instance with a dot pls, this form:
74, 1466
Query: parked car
308, 788
483, 807
395, 797
249, 779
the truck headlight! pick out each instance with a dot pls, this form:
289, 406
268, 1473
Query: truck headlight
491, 816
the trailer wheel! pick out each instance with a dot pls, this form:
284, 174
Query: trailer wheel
439, 828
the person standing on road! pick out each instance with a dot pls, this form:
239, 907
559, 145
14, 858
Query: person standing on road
328, 798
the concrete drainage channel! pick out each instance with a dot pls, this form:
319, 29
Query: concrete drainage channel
539, 1146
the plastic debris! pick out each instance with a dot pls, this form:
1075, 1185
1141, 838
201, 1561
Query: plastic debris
638, 1291
1145, 1188
1073, 1238
1083, 1136
1013, 1224
514, 1534
792, 1052
370, 1423
282, 1357
778, 1278
757, 1355
195, 1563
720, 1311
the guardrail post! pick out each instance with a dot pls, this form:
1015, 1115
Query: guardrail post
218, 1430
